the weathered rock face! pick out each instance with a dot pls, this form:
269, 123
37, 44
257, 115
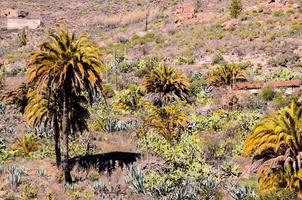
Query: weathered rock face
185, 12
22, 23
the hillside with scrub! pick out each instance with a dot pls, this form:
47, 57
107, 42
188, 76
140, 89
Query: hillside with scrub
151, 99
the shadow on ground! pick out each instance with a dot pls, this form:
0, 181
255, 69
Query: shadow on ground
105, 161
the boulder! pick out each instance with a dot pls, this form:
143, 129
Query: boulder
22, 14
230, 25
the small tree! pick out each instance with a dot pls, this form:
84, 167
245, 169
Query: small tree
235, 8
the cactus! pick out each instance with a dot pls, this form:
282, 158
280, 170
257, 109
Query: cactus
136, 180
15, 175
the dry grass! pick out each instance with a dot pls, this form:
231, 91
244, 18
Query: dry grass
127, 18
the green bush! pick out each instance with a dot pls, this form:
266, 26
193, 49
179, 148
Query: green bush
252, 102
235, 8
183, 160
108, 91
185, 60
281, 194
149, 37
128, 66
218, 59
280, 101
128, 99
146, 65
267, 94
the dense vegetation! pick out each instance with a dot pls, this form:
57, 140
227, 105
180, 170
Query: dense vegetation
189, 134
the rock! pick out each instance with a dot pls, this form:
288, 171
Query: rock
141, 34
8, 12
230, 25
298, 51
121, 39
23, 14
185, 12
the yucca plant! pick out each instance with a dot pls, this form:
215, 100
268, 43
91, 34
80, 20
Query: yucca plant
69, 66
227, 74
276, 141
26, 144
167, 83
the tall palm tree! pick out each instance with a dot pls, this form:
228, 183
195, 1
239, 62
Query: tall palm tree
277, 141
42, 110
167, 82
70, 67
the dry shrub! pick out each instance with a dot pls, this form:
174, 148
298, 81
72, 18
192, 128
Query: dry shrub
127, 18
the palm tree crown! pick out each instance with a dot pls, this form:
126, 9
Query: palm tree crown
167, 82
276, 141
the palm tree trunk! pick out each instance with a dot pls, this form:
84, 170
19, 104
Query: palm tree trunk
57, 142
66, 131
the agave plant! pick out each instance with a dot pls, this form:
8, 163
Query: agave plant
15, 175
186, 191
276, 141
243, 193
42, 172
26, 143
136, 180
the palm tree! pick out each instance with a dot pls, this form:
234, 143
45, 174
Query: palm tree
277, 141
168, 121
168, 83
43, 112
226, 75
70, 67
